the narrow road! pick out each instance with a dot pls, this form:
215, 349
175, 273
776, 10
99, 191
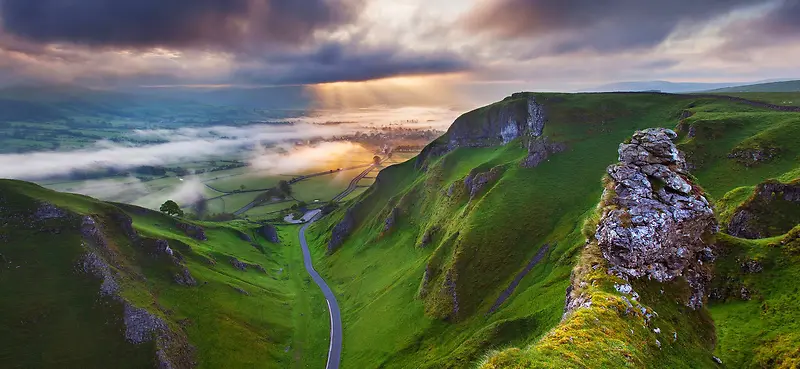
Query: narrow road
335, 348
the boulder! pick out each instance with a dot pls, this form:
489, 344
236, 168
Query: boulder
656, 222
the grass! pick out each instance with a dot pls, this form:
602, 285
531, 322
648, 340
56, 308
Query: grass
282, 323
483, 242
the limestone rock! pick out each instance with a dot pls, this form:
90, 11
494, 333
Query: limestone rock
184, 278
270, 233
476, 182
343, 229
539, 150
768, 212
656, 221
193, 231
752, 156
391, 220
238, 264
243, 236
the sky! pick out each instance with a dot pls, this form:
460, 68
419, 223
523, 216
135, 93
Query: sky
439, 46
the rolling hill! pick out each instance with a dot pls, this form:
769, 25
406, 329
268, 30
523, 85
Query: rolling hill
783, 86
544, 230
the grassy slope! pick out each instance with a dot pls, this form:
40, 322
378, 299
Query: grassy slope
501, 230
278, 325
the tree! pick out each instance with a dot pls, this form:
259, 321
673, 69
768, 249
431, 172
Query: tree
170, 207
285, 187
376, 159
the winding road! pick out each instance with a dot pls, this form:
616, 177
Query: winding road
335, 348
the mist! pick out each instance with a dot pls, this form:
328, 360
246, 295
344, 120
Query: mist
206, 143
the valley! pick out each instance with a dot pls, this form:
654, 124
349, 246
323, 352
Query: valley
461, 255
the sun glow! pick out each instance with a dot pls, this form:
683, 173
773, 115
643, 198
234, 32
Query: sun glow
436, 90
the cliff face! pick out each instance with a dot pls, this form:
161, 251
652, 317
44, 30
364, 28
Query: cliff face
517, 116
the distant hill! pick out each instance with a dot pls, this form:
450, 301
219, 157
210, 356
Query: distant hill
784, 86
662, 86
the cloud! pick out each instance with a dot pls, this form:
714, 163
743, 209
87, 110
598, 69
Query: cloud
298, 159
175, 23
779, 25
564, 26
348, 62
206, 143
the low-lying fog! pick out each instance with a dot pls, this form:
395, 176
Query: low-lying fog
272, 147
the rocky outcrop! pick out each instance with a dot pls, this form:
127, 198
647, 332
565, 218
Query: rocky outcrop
427, 237
238, 264
476, 182
48, 211
772, 210
184, 278
390, 221
126, 224
656, 222
752, 156
194, 231
517, 116
243, 236
342, 229
539, 150
270, 233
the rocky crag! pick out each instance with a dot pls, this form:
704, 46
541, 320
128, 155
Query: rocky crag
657, 224
519, 116
772, 210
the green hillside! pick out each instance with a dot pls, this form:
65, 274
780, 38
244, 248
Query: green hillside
419, 277
785, 86
89, 284
486, 250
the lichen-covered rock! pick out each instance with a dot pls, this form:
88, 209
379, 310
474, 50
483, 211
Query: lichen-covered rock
656, 223
270, 233
391, 220
238, 264
342, 229
773, 210
194, 231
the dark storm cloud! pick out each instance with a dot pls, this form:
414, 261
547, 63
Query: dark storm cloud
337, 62
613, 25
172, 23
777, 26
